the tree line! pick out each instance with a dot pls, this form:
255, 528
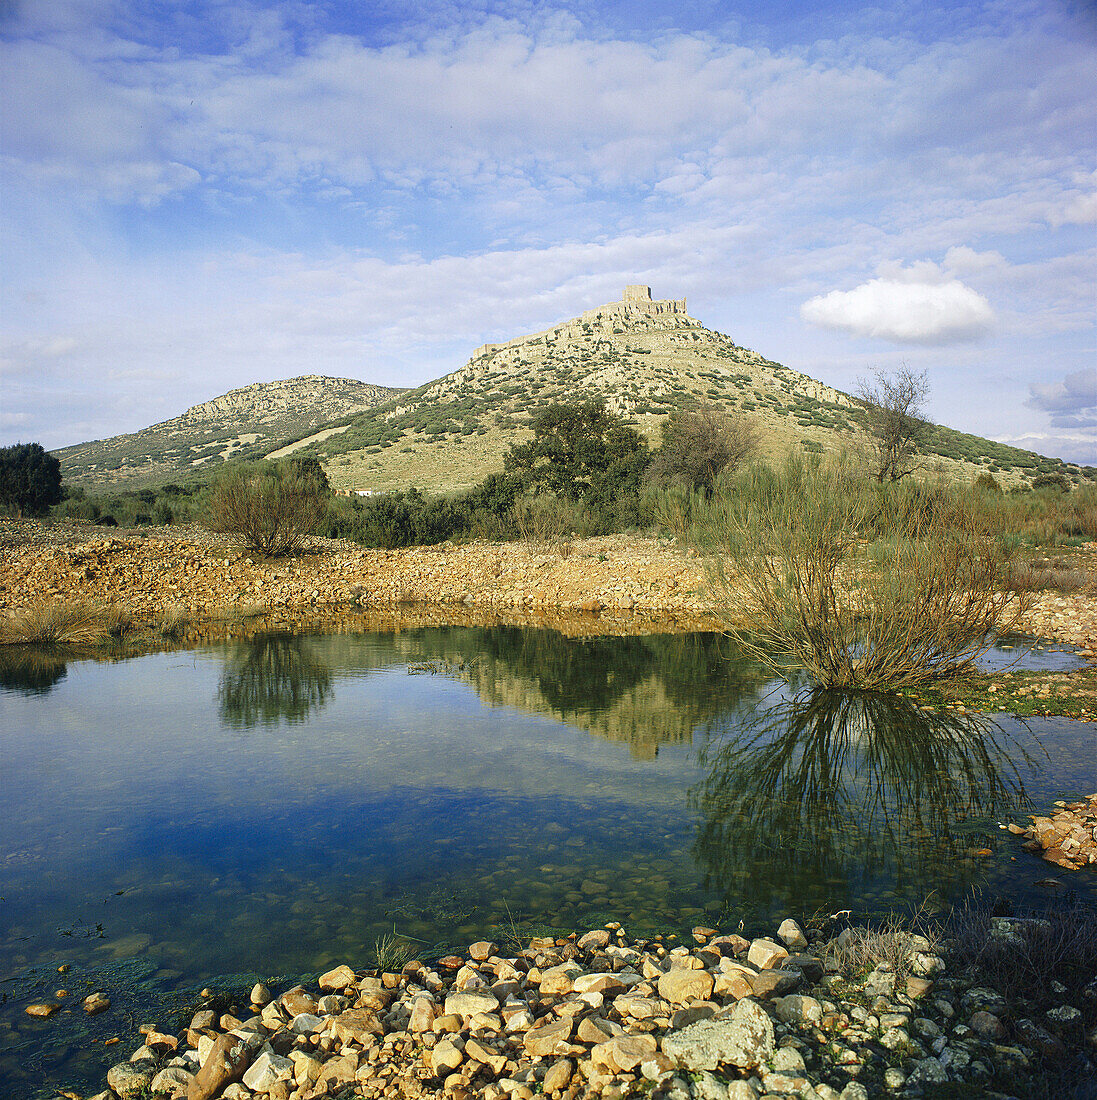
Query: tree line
584, 470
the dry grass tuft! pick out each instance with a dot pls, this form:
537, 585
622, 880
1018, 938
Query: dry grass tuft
392, 952
892, 943
175, 621
75, 622
1049, 575
1021, 957
118, 621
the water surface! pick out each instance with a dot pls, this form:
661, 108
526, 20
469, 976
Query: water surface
274, 806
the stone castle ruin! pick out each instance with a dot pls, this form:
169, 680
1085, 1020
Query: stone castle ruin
635, 302
637, 299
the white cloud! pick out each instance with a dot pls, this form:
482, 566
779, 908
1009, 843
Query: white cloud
906, 310
1076, 210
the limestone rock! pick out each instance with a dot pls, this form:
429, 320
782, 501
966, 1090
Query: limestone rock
607, 984
228, 1058
733, 984
338, 979
423, 1012
306, 1023
267, 1068
296, 1001
766, 954
356, 1025
774, 983
558, 1075
172, 1082
95, 1003
543, 1040
594, 941
446, 1056
744, 1039
792, 935
682, 986
624, 1053
799, 1011
558, 979
593, 1029
337, 1072
485, 1055
470, 1002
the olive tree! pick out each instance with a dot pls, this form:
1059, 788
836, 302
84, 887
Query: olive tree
579, 450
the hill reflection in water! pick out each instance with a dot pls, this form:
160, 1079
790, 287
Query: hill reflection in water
831, 792
643, 692
697, 773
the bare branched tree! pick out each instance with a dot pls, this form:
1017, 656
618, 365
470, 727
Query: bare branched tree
894, 418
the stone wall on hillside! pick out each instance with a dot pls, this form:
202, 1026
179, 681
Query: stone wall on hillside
636, 301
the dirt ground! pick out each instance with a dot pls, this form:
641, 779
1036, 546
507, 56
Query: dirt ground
606, 582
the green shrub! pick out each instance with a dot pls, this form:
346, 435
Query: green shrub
273, 507
1058, 481
30, 479
922, 599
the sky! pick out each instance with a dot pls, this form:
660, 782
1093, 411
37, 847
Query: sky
196, 196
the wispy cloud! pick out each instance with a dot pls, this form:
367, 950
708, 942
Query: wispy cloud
221, 192
1072, 402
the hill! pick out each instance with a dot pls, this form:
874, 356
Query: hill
245, 423
644, 358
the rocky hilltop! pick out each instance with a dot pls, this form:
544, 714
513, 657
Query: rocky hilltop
644, 357
243, 423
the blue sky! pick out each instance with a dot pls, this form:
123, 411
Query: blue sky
198, 196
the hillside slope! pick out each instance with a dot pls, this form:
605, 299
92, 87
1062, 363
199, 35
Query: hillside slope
644, 358
244, 423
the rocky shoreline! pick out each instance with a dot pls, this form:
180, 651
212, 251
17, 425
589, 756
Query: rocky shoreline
189, 574
826, 1014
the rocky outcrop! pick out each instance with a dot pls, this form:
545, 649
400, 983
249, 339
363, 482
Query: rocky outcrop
1067, 837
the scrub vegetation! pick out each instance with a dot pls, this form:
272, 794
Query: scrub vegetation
867, 583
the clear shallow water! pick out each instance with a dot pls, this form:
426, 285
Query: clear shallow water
275, 806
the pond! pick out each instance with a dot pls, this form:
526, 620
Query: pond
271, 807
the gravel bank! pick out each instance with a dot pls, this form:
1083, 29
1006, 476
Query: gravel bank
818, 1016
176, 569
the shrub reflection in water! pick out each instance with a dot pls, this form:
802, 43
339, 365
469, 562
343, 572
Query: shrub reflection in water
850, 790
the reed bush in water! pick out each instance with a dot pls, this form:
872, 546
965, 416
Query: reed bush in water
861, 584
